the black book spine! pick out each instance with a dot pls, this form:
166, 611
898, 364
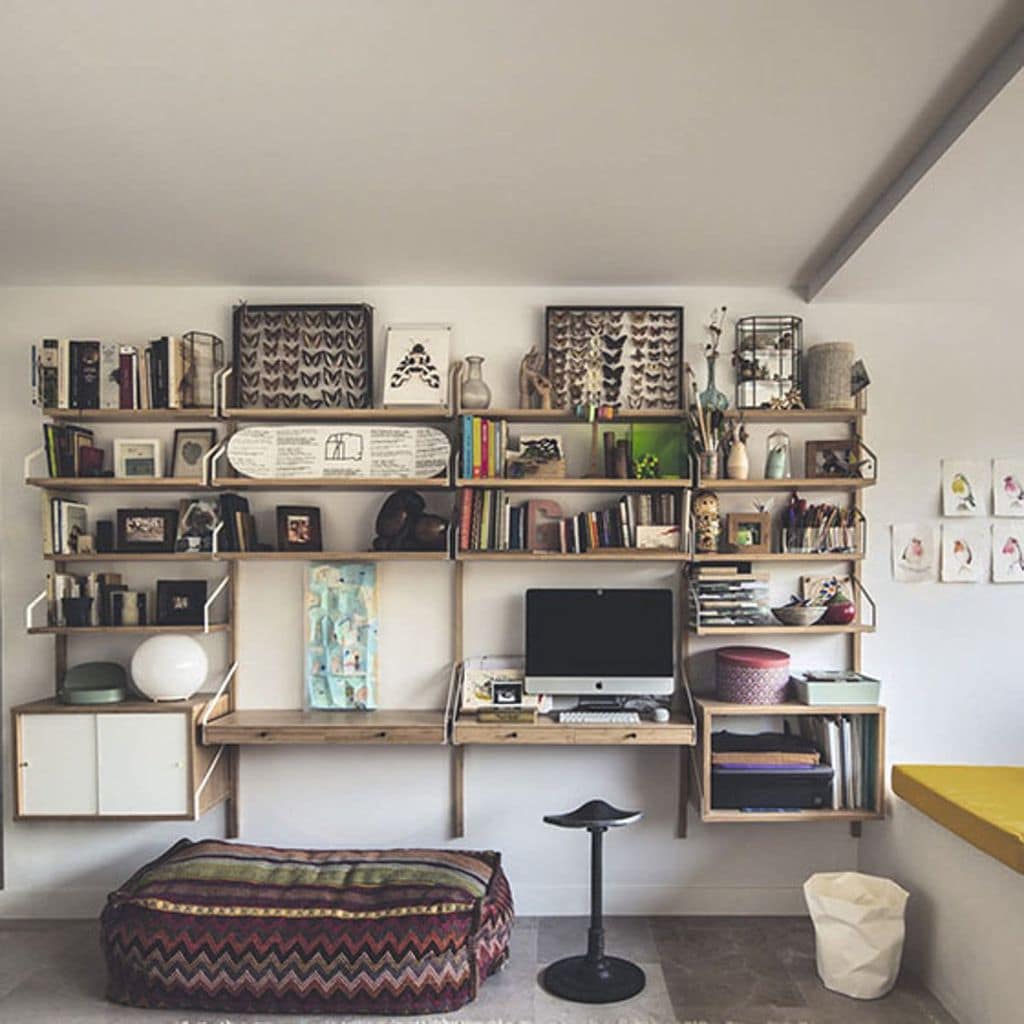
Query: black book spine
88, 374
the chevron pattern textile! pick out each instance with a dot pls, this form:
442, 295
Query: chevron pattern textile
230, 927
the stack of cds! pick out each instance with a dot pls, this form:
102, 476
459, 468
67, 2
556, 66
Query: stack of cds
723, 596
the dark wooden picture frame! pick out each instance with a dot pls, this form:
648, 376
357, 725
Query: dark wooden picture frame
640, 349
162, 542
209, 435
303, 357
180, 602
820, 455
759, 524
289, 521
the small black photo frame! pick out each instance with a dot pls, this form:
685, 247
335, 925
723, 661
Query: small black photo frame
190, 447
141, 530
298, 528
180, 602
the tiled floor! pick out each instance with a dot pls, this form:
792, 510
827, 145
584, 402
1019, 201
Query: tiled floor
700, 970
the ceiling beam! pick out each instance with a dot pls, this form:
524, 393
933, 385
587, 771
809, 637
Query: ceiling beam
988, 85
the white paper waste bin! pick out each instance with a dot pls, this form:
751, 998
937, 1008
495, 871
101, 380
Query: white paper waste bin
858, 930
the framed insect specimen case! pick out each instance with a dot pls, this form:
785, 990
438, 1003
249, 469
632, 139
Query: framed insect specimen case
628, 357
303, 357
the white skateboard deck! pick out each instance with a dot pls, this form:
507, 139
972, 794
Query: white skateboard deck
323, 451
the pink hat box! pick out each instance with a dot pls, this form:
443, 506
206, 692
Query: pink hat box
751, 675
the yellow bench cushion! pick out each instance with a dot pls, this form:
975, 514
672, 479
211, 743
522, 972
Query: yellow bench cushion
982, 804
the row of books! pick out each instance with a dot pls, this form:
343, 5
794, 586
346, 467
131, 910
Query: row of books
71, 450
167, 373
849, 743
722, 596
484, 445
488, 521
111, 602
64, 521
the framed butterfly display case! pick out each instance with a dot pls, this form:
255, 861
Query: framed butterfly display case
628, 357
303, 357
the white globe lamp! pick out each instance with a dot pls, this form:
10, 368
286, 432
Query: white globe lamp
169, 667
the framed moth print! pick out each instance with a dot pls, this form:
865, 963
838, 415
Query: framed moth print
1008, 487
965, 487
628, 357
1008, 553
416, 361
303, 357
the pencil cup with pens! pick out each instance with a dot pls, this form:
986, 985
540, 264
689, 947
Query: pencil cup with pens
820, 529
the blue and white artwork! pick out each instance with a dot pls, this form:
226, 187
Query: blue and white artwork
341, 642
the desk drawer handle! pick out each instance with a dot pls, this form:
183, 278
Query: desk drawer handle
511, 735
383, 734
630, 736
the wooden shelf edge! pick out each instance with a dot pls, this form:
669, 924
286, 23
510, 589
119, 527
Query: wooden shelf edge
797, 415
724, 558
408, 414
134, 415
332, 556
741, 817
568, 416
293, 726
824, 483
616, 555
572, 484
725, 708
111, 483
780, 630
215, 627
245, 483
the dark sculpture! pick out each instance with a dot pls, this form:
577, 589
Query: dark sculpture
403, 524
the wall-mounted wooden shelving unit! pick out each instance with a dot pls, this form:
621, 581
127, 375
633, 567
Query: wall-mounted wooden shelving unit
222, 728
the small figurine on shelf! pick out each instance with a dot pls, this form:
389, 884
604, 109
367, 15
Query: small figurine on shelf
792, 399
707, 520
534, 386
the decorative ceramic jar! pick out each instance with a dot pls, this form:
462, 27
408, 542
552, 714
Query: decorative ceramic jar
777, 465
475, 392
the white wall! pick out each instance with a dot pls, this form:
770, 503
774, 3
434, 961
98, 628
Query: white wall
947, 382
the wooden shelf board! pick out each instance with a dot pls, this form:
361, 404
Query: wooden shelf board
270, 726
679, 732
131, 415
125, 556
332, 556
607, 555
775, 556
113, 483
215, 627
780, 629
52, 706
574, 484
568, 416
790, 484
796, 415
245, 483
420, 414
783, 816
721, 707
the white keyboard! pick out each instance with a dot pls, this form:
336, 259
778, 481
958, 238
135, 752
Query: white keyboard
599, 717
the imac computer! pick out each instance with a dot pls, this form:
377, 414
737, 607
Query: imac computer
600, 642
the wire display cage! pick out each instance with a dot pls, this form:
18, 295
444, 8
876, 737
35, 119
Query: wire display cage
767, 359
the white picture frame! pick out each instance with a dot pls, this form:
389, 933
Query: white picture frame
966, 553
135, 457
965, 487
416, 362
1008, 488
1008, 552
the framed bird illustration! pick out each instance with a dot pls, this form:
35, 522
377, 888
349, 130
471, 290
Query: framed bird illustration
1008, 552
965, 488
1008, 487
915, 552
965, 552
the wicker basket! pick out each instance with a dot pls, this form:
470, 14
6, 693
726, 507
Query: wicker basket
751, 675
829, 371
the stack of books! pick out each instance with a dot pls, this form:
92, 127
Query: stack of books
488, 521
484, 442
64, 521
111, 604
71, 451
723, 596
167, 373
849, 743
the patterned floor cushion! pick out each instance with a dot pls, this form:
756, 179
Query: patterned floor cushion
225, 926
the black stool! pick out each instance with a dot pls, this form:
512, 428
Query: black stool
594, 978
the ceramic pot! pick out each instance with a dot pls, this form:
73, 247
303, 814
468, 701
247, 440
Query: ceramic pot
737, 466
841, 613
475, 392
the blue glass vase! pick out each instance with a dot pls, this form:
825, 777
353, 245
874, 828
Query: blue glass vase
711, 398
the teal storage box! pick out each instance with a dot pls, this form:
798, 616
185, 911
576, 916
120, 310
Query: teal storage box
847, 688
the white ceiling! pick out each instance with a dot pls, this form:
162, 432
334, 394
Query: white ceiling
461, 141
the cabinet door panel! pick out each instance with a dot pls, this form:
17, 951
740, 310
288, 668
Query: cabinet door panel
58, 764
143, 764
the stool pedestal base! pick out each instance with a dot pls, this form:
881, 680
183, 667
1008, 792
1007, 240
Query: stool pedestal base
607, 979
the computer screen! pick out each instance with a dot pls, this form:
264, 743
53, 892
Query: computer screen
607, 641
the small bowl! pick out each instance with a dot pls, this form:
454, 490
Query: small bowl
799, 615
